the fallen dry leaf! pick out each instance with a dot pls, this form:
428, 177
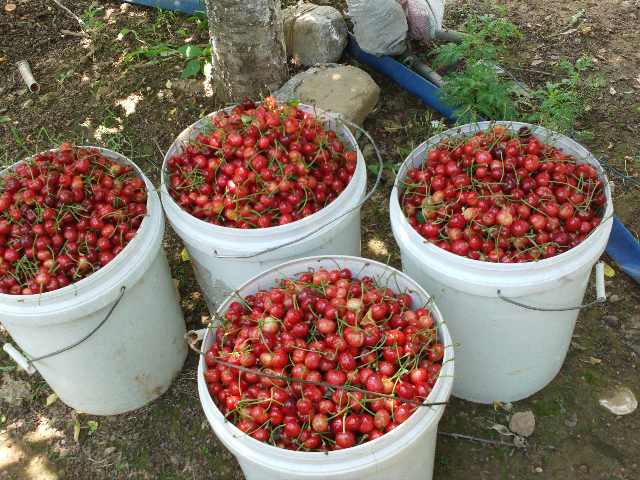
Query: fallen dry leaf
594, 361
496, 405
610, 146
612, 91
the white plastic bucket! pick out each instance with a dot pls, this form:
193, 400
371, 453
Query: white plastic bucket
224, 258
138, 351
506, 352
406, 452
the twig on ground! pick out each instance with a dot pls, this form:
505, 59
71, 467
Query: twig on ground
482, 440
70, 13
534, 71
75, 34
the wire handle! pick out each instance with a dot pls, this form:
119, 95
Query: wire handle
340, 118
27, 365
599, 292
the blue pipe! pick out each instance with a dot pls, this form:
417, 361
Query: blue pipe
410, 81
624, 249
184, 6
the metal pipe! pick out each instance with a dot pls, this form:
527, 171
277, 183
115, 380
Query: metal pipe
25, 71
422, 68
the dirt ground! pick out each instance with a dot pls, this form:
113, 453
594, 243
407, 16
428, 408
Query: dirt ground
89, 94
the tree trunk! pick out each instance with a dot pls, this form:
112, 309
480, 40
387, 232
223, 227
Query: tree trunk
248, 50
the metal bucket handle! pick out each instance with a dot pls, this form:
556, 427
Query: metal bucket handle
215, 253
599, 291
27, 365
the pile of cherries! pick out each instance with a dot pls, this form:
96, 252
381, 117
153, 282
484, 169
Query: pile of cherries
330, 328
503, 197
260, 166
63, 215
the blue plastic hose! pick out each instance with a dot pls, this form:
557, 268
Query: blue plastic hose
184, 6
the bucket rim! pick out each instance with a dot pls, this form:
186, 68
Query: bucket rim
441, 391
418, 242
153, 209
347, 198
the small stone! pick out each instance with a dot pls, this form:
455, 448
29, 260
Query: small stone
572, 420
539, 470
64, 452
523, 423
583, 469
10, 7
176, 459
614, 298
109, 450
104, 90
621, 401
612, 321
63, 441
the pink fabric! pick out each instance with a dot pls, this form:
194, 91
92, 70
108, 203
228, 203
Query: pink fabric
417, 17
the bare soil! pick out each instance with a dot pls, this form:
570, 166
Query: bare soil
89, 95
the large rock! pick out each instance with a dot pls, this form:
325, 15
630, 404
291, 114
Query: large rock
314, 35
335, 89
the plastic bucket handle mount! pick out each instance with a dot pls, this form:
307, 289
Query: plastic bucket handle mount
373, 189
600, 293
26, 364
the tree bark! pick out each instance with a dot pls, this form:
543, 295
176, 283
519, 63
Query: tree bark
248, 51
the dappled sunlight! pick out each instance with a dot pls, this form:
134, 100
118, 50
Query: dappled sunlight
103, 131
378, 247
10, 452
43, 432
129, 104
108, 12
38, 469
208, 89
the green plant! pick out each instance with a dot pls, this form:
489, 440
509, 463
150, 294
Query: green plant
561, 103
62, 77
477, 84
90, 23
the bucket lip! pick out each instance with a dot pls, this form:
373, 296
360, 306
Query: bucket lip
483, 267
320, 217
81, 286
440, 392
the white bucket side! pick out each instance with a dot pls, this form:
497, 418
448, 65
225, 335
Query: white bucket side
506, 352
220, 276
409, 449
116, 369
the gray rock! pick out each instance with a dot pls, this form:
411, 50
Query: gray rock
572, 420
614, 298
64, 452
28, 103
523, 423
342, 89
612, 321
314, 35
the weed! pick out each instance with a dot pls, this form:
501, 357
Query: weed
91, 24
477, 84
591, 377
560, 102
62, 77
